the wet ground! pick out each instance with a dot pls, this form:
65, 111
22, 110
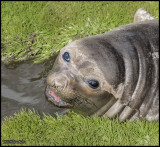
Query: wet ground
23, 86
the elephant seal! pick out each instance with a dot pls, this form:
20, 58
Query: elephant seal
111, 74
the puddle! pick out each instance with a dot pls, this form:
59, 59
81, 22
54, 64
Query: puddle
23, 86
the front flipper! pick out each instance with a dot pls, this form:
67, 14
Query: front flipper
142, 15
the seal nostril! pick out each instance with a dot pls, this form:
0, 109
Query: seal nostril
50, 80
61, 82
57, 83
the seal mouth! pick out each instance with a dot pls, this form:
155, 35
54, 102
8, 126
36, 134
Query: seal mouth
56, 100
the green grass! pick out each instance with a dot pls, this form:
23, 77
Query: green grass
37, 29
77, 130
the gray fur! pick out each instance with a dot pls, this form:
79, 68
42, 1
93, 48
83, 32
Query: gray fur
126, 63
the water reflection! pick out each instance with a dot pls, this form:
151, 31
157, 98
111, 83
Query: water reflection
23, 85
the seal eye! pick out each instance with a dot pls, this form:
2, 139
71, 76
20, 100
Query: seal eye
93, 84
66, 56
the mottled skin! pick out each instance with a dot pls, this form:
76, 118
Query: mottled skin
125, 61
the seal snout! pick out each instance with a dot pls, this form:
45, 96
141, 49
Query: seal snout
57, 81
60, 80
55, 99
57, 87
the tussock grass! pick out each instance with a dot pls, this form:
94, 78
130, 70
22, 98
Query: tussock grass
74, 130
37, 29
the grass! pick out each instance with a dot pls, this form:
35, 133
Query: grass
74, 130
37, 29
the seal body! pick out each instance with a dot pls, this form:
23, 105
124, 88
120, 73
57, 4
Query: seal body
115, 73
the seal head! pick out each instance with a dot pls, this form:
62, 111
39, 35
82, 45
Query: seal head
115, 73
79, 79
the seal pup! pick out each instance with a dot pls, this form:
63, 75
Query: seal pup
111, 74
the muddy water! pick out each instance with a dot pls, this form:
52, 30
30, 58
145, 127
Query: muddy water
23, 85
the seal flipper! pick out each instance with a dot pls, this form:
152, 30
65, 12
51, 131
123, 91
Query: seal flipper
153, 113
127, 113
105, 108
114, 110
142, 15
134, 117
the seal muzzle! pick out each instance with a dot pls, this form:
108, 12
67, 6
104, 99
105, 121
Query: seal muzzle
56, 100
